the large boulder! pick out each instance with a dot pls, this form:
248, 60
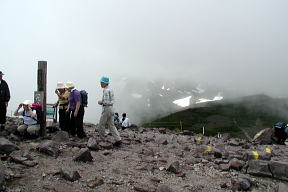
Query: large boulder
279, 170
6, 147
49, 147
259, 168
92, 144
241, 184
61, 136
83, 155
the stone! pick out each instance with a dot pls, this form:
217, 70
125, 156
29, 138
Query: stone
217, 153
156, 179
187, 132
49, 147
241, 184
224, 167
174, 167
259, 168
69, 175
92, 144
83, 155
236, 164
164, 188
162, 130
282, 187
2, 176
6, 147
279, 170
61, 136
95, 182
143, 188
162, 140
106, 145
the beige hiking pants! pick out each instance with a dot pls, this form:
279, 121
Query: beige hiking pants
107, 117
32, 129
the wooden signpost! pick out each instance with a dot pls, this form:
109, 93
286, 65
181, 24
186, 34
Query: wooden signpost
41, 94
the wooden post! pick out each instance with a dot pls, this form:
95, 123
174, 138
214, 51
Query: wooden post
42, 92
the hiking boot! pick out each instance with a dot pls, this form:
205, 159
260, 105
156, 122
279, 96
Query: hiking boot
117, 143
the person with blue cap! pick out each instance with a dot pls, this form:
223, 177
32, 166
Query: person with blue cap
4, 100
107, 116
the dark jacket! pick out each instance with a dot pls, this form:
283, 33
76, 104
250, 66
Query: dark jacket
4, 92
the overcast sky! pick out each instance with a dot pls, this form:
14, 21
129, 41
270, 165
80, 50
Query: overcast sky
240, 45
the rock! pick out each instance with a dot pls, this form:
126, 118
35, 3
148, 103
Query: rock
145, 188
279, 170
69, 175
106, 145
174, 167
236, 164
49, 147
164, 188
224, 167
2, 176
234, 142
241, 184
162, 140
6, 147
61, 136
217, 153
22, 158
156, 179
264, 137
92, 144
61, 188
83, 155
162, 130
282, 187
259, 168
14, 137
95, 182
187, 132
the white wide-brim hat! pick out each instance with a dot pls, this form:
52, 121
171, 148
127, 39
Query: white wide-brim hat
60, 85
27, 102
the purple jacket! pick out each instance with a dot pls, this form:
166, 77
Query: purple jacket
74, 98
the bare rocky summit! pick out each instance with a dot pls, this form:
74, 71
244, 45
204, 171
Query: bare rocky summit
149, 160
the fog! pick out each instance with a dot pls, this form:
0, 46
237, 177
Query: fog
226, 48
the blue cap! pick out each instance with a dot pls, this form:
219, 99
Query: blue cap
105, 80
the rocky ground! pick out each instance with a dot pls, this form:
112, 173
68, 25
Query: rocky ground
149, 160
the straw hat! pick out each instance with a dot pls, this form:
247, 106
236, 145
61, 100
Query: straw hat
70, 85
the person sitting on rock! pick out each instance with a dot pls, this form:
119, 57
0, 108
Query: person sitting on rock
124, 121
31, 125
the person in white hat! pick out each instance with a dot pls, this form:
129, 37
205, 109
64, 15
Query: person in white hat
31, 125
75, 112
62, 102
4, 99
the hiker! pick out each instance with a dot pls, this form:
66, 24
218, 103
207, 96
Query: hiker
62, 102
75, 112
4, 99
31, 125
108, 112
280, 133
124, 121
116, 119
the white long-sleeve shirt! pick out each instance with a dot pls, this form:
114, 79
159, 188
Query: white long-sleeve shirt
125, 123
108, 96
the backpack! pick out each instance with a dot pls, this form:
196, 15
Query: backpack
39, 112
279, 132
84, 98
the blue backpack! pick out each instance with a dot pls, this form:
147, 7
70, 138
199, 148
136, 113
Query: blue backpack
84, 98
